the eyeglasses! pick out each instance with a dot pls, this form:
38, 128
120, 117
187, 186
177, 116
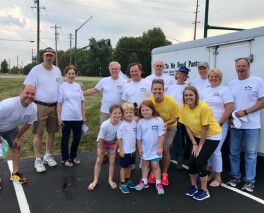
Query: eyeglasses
158, 65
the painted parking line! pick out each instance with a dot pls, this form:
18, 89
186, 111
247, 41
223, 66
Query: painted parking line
231, 188
21, 197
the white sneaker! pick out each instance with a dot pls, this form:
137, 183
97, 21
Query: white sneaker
39, 166
49, 160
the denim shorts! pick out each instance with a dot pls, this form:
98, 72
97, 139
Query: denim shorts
129, 159
10, 136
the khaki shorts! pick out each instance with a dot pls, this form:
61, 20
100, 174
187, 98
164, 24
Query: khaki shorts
170, 135
47, 118
103, 116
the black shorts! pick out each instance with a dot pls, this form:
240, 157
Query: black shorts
129, 159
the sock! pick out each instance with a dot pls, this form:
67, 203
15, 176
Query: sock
145, 181
158, 182
123, 183
127, 179
47, 154
38, 159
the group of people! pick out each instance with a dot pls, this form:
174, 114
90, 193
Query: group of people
148, 115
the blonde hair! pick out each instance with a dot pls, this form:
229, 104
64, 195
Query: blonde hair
218, 72
128, 106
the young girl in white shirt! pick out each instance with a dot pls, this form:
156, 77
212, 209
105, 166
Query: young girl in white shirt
106, 141
150, 138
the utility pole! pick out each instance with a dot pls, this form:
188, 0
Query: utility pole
32, 56
17, 61
56, 42
9, 64
38, 34
195, 22
70, 46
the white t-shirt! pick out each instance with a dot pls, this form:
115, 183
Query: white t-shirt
176, 91
246, 94
136, 92
149, 131
46, 83
71, 97
200, 84
127, 132
112, 92
12, 114
122, 75
107, 131
216, 98
167, 80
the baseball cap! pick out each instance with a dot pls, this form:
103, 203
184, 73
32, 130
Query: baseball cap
184, 69
203, 64
49, 51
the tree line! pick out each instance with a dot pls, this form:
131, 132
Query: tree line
94, 60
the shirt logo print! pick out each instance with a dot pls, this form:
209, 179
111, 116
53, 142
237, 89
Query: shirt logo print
119, 87
248, 88
154, 127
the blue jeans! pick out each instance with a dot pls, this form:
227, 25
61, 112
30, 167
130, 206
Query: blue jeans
250, 138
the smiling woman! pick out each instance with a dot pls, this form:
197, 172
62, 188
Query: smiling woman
205, 133
169, 112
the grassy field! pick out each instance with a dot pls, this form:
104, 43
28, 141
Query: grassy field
10, 87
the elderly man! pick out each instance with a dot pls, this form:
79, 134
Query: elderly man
112, 88
248, 94
158, 67
13, 112
201, 82
46, 78
138, 89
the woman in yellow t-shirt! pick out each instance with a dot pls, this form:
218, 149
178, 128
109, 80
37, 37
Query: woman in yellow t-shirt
205, 134
169, 112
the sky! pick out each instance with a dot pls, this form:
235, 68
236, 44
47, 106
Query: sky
113, 19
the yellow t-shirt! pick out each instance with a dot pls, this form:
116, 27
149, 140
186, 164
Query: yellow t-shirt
198, 117
167, 109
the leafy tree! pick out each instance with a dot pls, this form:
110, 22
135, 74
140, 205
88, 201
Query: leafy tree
4, 66
14, 70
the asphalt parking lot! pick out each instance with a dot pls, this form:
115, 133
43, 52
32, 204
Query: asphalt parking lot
63, 189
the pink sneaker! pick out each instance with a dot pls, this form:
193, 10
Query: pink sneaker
160, 189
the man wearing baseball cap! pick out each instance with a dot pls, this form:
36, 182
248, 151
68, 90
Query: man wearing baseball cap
46, 78
201, 82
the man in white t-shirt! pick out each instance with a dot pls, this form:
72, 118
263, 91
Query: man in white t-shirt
112, 88
138, 89
248, 92
13, 112
46, 78
201, 82
158, 67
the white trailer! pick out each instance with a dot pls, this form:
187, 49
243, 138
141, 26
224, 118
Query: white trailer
221, 52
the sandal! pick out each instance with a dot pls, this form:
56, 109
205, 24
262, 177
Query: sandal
215, 183
76, 161
91, 187
68, 164
113, 185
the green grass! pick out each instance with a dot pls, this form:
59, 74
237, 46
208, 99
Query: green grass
11, 87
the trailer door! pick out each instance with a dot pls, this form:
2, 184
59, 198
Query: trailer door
223, 56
